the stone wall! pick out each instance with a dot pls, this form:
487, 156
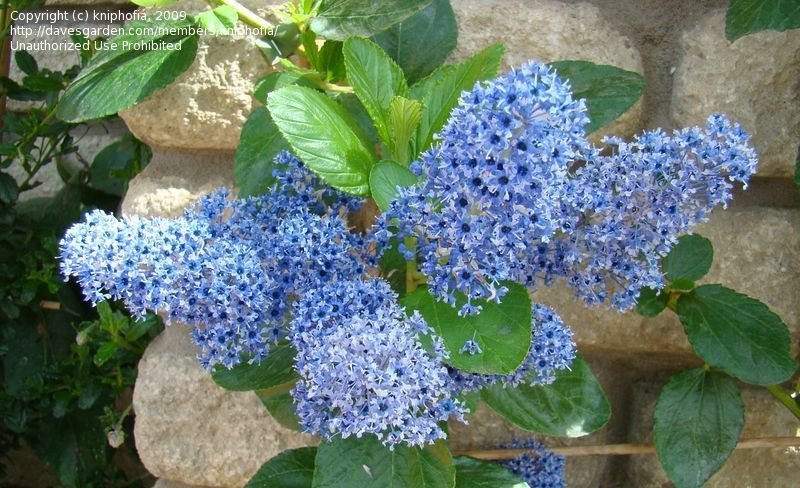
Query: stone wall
188, 431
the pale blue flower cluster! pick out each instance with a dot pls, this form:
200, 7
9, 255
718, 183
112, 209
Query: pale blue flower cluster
514, 191
364, 370
540, 468
230, 268
552, 349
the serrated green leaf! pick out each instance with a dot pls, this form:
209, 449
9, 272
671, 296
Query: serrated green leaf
698, 419
737, 334
281, 407
330, 61
440, 91
277, 80
365, 463
422, 42
116, 79
259, 143
609, 91
105, 352
274, 374
404, 117
26, 63
324, 136
572, 406
219, 20
473, 473
376, 80
502, 330
289, 469
384, 179
651, 303
749, 16
340, 19
690, 259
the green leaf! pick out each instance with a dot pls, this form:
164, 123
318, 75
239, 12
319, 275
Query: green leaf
281, 407
324, 136
393, 268
365, 462
651, 303
698, 419
376, 80
422, 42
274, 374
609, 91
440, 91
384, 179
330, 61
404, 117
690, 259
26, 63
572, 406
472, 473
748, 16
289, 469
259, 143
219, 20
116, 79
117, 163
153, 3
106, 352
737, 334
277, 80
8, 188
503, 330
340, 19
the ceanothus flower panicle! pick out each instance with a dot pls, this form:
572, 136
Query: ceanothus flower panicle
230, 268
540, 468
364, 370
514, 191
552, 349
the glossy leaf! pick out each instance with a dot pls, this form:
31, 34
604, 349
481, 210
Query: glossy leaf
365, 463
404, 118
219, 20
384, 179
292, 468
572, 406
259, 143
651, 303
737, 334
277, 80
281, 407
698, 419
324, 136
473, 473
502, 330
690, 259
440, 91
26, 63
275, 373
422, 42
376, 80
116, 79
340, 19
609, 91
748, 16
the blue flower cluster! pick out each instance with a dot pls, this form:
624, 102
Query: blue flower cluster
514, 191
552, 349
364, 370
540, 468
230, 268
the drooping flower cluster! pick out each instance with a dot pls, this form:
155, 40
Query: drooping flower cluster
552, 350
363, 368
514, 191
229, 268
540, 468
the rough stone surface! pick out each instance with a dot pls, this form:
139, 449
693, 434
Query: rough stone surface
162, 483
755, 80
207, 105
190, 430
764, 417
562, 31
174, 179
487, 429
757, 252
